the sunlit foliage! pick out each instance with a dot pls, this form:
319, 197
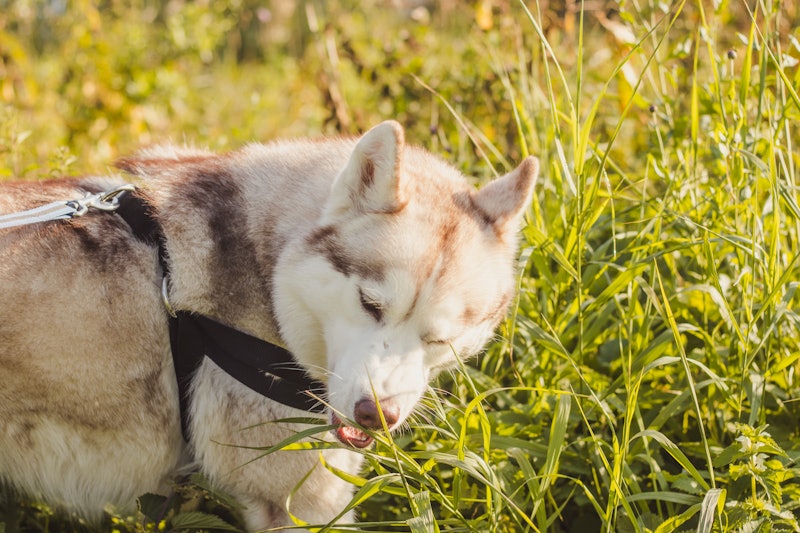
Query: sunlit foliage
646, 379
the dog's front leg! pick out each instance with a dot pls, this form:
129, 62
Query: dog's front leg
231, 427
318, 497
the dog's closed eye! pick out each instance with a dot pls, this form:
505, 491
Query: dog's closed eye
372, 307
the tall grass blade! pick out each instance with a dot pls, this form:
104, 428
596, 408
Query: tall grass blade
713, 503
424, 521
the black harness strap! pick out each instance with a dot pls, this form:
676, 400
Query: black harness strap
264, 367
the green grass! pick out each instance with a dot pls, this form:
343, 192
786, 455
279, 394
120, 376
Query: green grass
646, 379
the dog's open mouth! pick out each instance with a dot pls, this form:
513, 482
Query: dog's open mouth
350, 435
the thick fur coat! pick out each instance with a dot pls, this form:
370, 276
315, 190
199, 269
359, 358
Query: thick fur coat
375, 263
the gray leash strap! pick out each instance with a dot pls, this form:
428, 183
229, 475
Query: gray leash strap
65, 209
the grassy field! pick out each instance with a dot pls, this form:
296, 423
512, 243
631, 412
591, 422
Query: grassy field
646, 380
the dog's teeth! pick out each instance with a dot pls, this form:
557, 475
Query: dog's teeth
353, 437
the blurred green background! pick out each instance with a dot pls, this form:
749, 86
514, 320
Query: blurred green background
100, 79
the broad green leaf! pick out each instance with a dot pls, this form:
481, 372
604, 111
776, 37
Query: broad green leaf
197, 520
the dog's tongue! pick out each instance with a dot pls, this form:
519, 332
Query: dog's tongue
351, 436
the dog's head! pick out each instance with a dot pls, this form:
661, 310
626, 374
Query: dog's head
408, 269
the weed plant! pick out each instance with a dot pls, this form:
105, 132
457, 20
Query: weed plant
646, 379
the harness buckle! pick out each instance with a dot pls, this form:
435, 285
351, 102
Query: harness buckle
104, 201
165, 297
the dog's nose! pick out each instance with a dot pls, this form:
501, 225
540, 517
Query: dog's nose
367, 415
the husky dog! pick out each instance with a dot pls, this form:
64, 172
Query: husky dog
374, 263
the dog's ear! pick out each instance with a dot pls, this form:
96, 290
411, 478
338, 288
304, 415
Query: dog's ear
505, 200
372, 181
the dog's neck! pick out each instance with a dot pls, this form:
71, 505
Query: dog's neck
262, 366
217, 267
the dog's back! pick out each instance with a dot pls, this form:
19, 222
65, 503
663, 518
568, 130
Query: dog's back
84, 362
